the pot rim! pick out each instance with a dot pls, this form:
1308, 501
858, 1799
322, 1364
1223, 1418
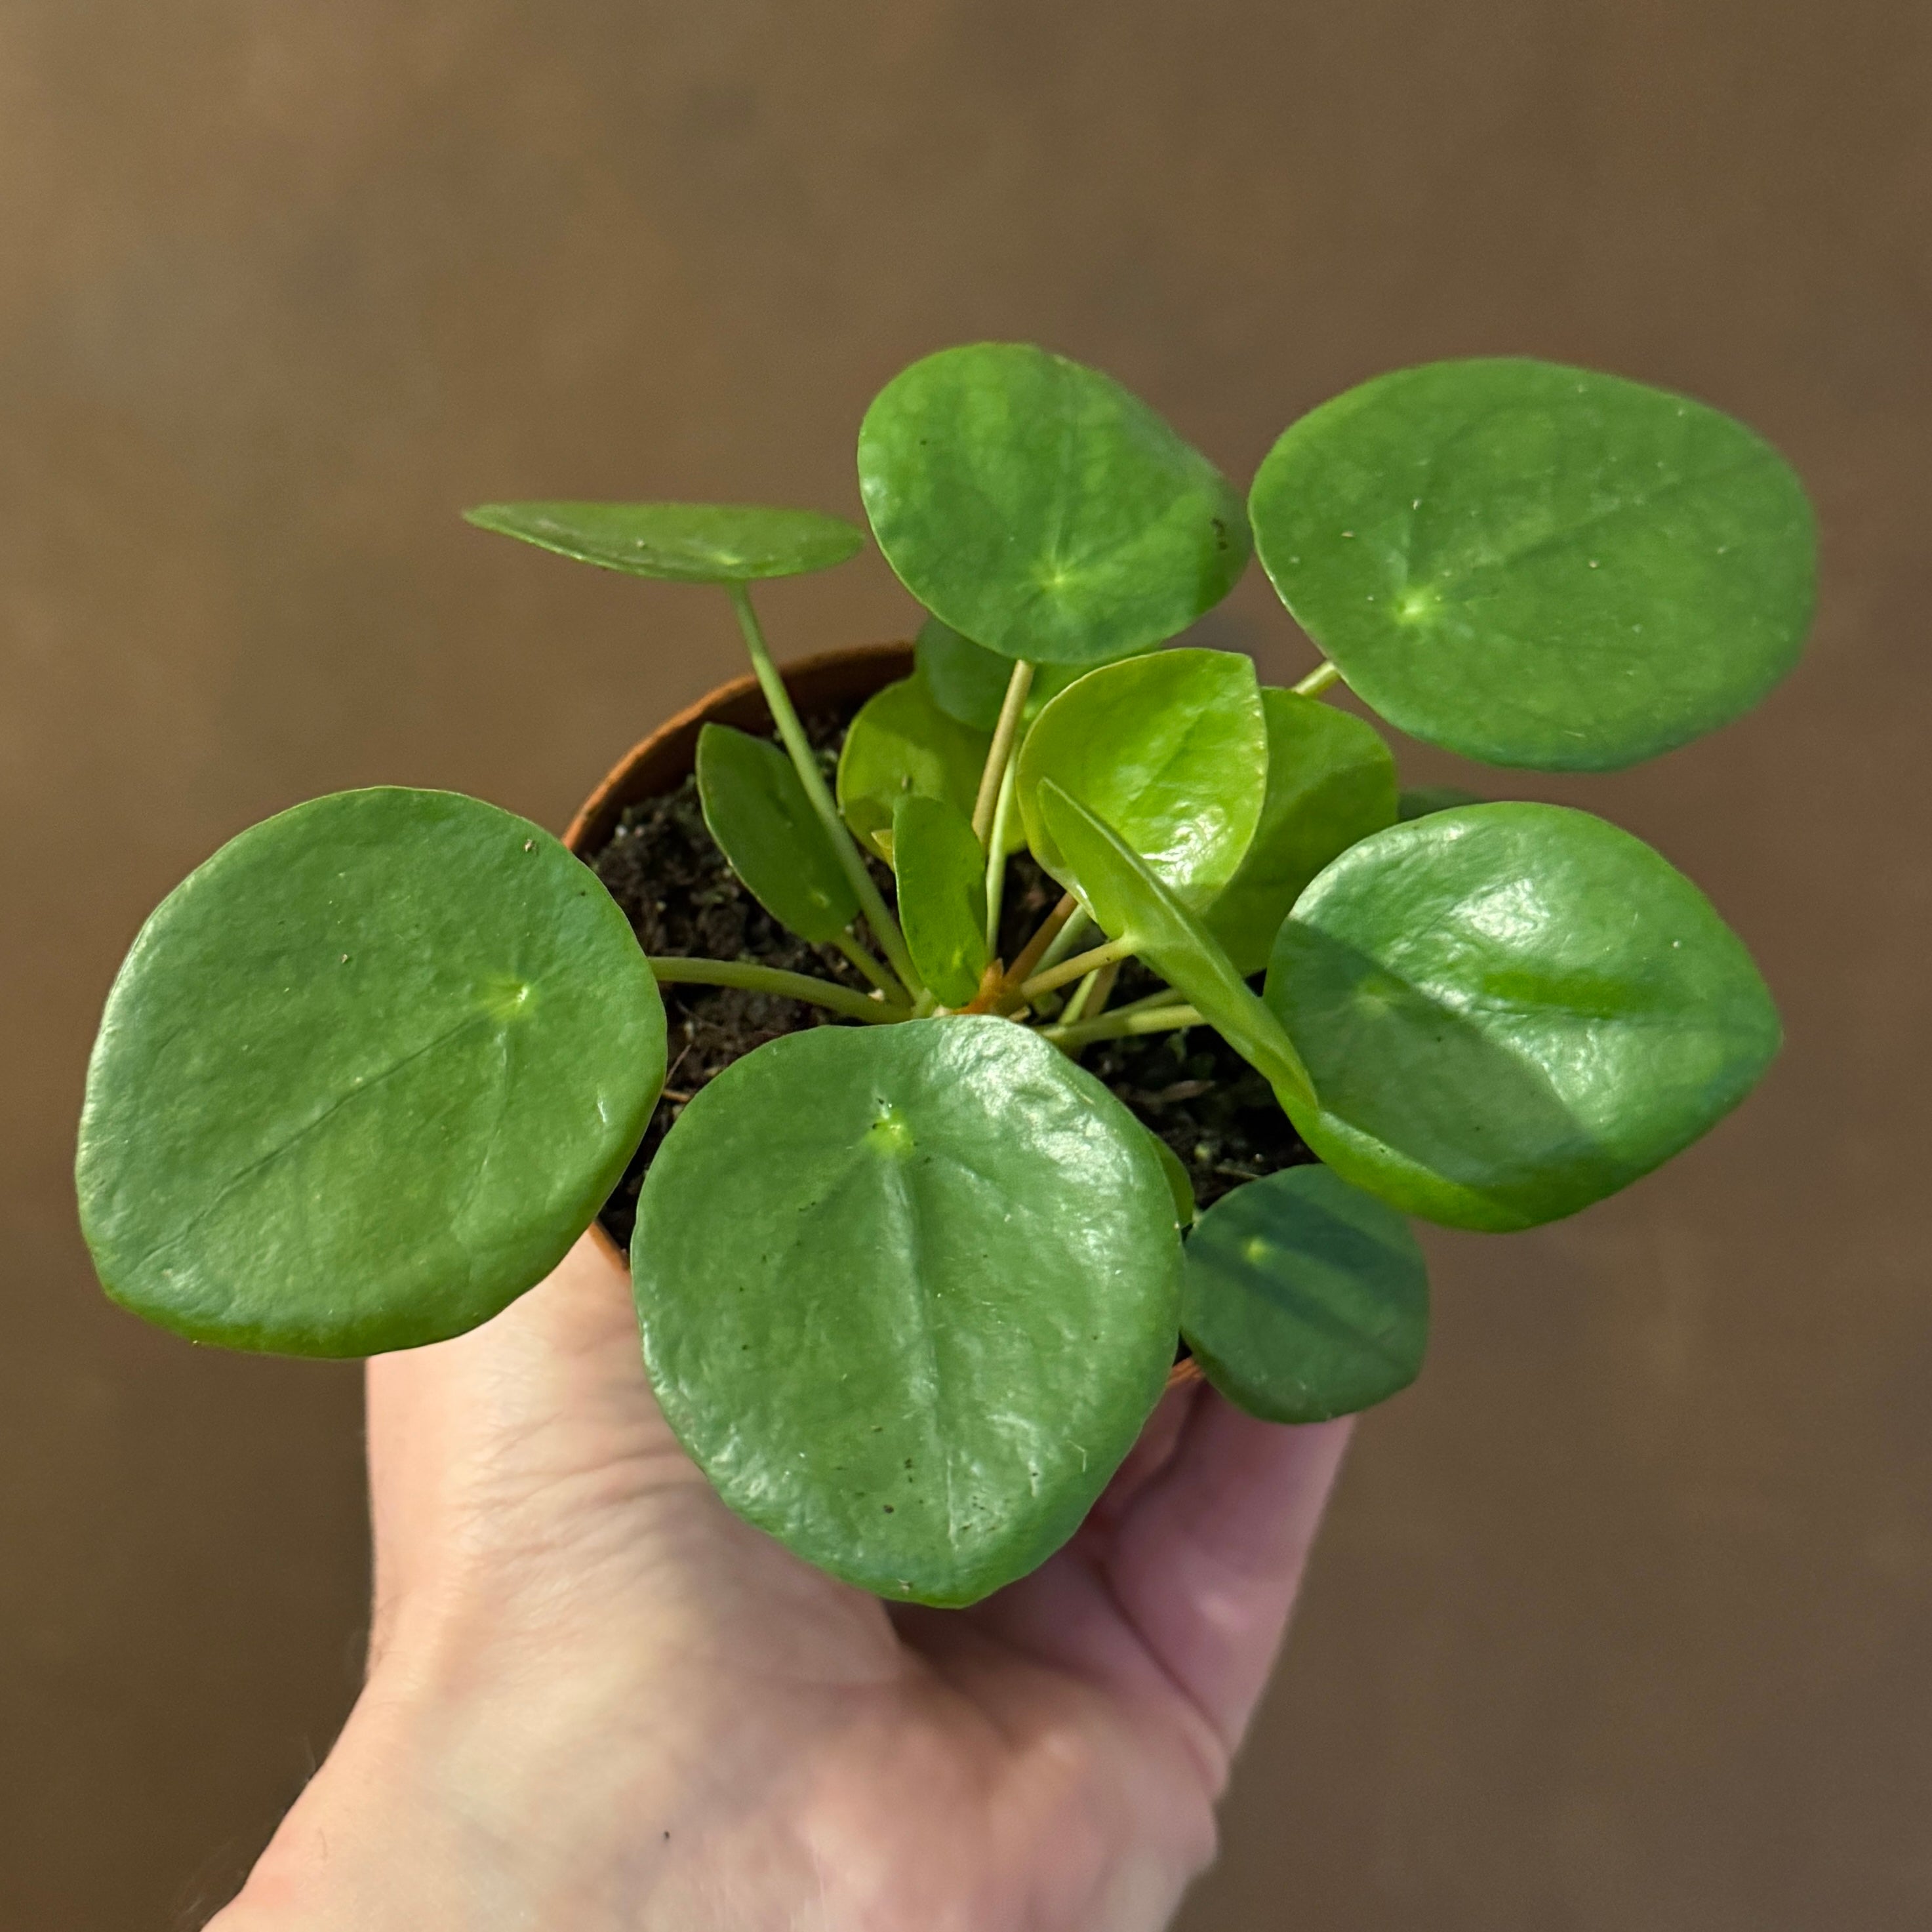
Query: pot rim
664, 758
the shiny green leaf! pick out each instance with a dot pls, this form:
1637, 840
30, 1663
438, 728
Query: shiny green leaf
1510, 1011
1303, 1298
969, 682
688, 543
1171, 751
941, 870
1037, 508
1539, 565
756, 809
917, 1349
1330, 781
902, 744
365, 1075
1129, 902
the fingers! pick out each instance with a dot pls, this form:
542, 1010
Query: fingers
1208, 1553
1153, 1451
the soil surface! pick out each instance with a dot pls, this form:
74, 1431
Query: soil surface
662, 866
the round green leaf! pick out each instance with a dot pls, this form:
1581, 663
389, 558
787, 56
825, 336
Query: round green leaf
1419, 801
1037, 507
1330, 781
1539, 565
689, 543
916, 1348
902, 744
1510, 1011
968, 682
1129, 902
756, 809
365, 1075
1303, 1298
941, 871
1171, 751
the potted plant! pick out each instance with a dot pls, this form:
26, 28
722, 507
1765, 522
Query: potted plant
910, 1280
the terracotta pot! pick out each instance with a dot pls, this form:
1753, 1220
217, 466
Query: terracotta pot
662, 762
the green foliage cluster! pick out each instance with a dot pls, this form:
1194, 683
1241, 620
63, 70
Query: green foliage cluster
908, 1288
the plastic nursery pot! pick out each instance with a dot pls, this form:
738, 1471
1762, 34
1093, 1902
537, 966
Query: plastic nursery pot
662, 761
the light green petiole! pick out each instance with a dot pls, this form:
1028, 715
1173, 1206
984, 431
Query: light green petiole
1163, 996
1090, 998
887, 982
885, 927
1068, 936
999, 753
1317, 680
1123, 1024
747, 978
1078, 968
1076, 1000
996, 856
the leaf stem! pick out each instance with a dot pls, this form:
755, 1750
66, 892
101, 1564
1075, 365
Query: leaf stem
999, 753
1078, 968
1163, 996
1069, 937
1076, 1000
1120, 1025
996, 856
1090, 996
1317, 680
745, 977
1049, 929
887, 982
885, 927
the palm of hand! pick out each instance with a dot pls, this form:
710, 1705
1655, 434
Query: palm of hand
598, 1699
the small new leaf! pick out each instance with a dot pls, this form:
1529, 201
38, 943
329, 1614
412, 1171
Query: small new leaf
901, 745
941, 870
756, 809
1129, 902
1170, 750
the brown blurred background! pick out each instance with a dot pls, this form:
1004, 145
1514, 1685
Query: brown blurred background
1623, 1617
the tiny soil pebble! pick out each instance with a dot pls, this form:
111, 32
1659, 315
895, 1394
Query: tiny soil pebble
663, 867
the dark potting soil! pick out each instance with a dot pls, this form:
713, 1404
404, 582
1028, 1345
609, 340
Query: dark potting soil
663, 868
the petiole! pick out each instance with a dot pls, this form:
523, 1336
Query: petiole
885, 927
747, 978
1121, 1025
999, 753
1078, 968
848, 943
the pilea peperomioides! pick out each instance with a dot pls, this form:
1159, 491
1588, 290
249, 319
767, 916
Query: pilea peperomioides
909, 1287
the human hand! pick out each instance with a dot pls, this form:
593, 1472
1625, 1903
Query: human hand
598, 1700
